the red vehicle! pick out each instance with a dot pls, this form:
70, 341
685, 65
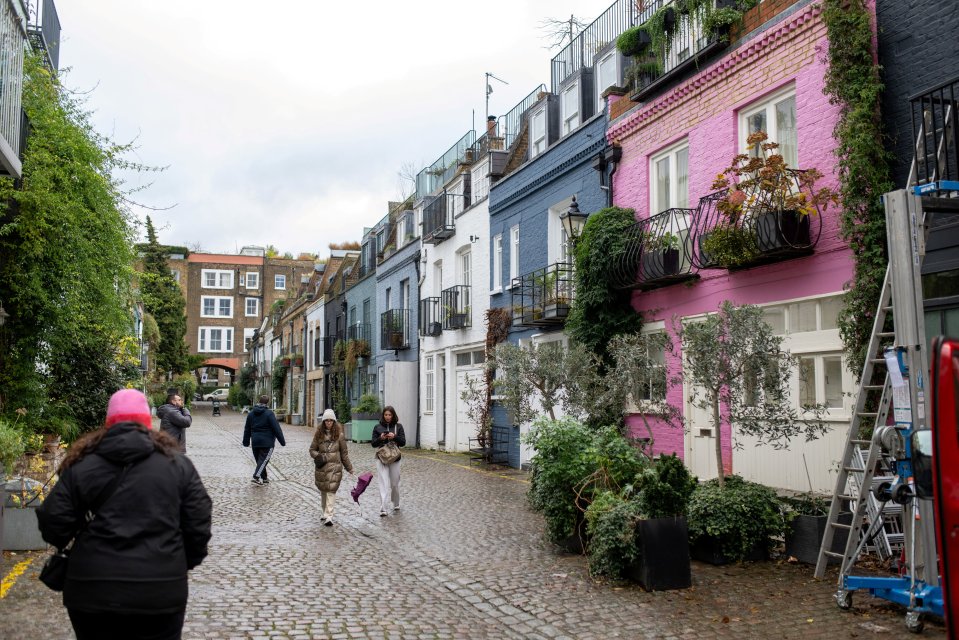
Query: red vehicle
943, 472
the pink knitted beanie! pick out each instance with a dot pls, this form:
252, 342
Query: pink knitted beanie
128, 405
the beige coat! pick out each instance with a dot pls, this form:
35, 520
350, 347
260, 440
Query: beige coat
330, 454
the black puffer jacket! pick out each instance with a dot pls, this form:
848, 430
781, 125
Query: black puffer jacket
381, 428
134, 556
262, 428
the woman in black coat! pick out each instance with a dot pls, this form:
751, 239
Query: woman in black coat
389, 429
127, 574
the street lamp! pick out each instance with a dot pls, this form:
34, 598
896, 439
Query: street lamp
3, 315
573, 220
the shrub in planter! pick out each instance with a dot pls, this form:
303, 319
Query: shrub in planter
364, 416
665, 488
611, 522
733, 522
806, 517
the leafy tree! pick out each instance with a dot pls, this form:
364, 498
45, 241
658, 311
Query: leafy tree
163, 299
66, 238
737, 370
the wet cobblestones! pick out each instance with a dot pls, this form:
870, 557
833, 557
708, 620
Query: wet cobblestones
465, 558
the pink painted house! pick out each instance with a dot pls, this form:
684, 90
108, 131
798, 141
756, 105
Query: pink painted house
675, 138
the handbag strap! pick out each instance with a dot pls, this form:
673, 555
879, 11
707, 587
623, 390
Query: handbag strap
105, 494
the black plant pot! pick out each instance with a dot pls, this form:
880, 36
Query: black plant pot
706, 260
709, 549
577, 541
669, 19
663, 555
778, 231
434, 329
556, 310
660, 264
457, 321
804, 537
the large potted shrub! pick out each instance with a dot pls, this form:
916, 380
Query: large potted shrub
806, 520
662, 549
733, 521
364, 416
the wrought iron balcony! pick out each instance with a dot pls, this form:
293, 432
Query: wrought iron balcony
438, 220
431, 320
395, 329
761, 233
935, 128
44, 30
456, 308
658, 253
358, 331
543, 297
324, 354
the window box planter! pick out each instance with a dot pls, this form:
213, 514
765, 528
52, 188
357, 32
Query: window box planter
361, 429
285, 361
660, 264
709, 549
396, 340
778, 231
804, 537
298, 361
663, 555
457, 320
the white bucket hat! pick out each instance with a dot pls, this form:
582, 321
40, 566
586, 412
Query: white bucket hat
328, 415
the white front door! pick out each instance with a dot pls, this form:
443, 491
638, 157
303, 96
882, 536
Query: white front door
465, 427
700, 440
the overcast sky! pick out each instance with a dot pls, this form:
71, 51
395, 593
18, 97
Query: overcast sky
287, 123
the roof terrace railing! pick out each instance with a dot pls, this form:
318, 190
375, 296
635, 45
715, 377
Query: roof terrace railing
511, 125
444, 168
605, 29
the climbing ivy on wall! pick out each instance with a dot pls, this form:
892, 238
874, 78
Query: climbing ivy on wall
853, 84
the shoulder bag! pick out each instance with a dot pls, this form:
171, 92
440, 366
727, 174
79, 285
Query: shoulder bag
388, 453
54, 572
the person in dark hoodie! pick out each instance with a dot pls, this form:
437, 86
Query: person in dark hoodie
174, 418
263, 430
127, 575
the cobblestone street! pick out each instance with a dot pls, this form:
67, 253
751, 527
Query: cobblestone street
465, 558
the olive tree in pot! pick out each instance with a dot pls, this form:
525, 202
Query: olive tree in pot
806, 520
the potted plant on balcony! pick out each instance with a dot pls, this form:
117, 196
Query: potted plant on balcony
297, 359
285, 360
456, 318
660, 256
767, 206
395, 335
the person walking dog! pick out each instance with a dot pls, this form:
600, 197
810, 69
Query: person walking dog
388, 436
330, 455
262, 430
175, 419
127, 571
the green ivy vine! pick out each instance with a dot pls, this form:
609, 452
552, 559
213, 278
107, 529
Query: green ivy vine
853, 84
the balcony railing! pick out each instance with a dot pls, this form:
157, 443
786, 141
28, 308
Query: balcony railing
325, 351
543, 297
438, 220
935, 126
595, 38
761, 234
13, 25
395, 329
44, 28
444, 168
511, 125
659, 251
358, 331
455, 307
431, 320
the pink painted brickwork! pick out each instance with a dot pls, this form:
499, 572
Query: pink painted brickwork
704, 112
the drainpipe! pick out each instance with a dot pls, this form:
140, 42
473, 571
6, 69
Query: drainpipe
305, 365
419, 344
608, 159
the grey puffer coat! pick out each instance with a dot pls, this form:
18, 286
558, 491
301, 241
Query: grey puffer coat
330, 455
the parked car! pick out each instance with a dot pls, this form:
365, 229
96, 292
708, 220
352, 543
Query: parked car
218, 394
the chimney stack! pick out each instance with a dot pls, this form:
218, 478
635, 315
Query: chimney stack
491, 126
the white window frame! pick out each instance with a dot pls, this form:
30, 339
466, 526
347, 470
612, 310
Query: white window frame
252, 280
611, 56
247, 334
570, 119
768, 105
277, 280
205, 339
479, 183
217, 306
256, 308
513, 253
557, 248
219, 276
674, 198
497, 270
538, 140
429, 386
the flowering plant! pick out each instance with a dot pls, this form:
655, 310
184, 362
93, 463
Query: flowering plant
766, 183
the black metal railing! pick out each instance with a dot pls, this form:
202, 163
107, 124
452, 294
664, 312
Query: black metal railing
438, 220
455, 307
444, 168
543, 297
762, 232
935, 127
367, 383
431, 320
358, 331
44, 29
596, 37
658, 252
395, 329
511, 125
